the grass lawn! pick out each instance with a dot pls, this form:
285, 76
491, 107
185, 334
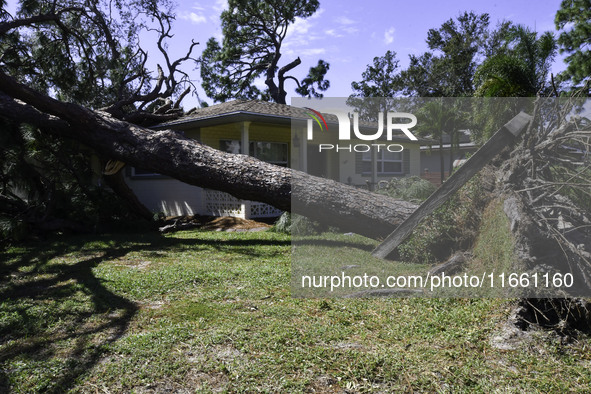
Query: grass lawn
212, 311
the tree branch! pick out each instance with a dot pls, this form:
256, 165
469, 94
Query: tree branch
169, 153
37, 19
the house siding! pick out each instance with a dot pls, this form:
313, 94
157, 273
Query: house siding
167, 195
351, 164
175, 198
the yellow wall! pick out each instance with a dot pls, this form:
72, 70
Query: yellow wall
212, 135
270, 133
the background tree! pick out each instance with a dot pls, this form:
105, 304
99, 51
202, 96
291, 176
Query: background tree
439, 117
381, 81
519, 66
254, 32
448, 69
574, 19
88, 53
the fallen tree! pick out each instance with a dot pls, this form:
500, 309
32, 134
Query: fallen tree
537, 181
87, 53
546, 191
170, 153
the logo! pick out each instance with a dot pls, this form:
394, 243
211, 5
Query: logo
317, 115
394, 121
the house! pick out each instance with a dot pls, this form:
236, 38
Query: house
431, 162
272, 132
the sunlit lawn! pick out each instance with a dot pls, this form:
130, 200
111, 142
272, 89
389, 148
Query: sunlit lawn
212, 311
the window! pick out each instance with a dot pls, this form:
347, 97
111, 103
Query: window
230, 146
387, 162
271, 152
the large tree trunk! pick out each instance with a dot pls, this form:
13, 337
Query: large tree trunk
441, 160
170, 153
117, 183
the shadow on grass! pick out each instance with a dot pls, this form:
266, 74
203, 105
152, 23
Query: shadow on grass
253, 247
57, 316
57, 319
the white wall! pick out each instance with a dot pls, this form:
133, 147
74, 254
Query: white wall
167, 195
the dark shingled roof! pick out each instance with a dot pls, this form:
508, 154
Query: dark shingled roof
254, 108
237, 110
247, 107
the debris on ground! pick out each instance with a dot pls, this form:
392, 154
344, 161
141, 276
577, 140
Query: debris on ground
212, 223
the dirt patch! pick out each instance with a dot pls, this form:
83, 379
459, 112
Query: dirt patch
152, 304
219, 353
215, 382
161, 388
509, 337
211, 223
348, 346
325, 384
227, 223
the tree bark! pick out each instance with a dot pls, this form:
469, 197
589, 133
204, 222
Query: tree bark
117, 183
170, 153
441, 160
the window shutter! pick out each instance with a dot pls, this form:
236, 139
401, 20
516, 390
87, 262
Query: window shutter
406, 161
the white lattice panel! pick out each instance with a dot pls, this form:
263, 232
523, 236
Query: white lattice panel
222, 204
261, 210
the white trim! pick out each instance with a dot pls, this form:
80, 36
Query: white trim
446, 146
377, 162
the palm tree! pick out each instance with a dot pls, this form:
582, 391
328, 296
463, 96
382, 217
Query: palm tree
520, 66
437, 118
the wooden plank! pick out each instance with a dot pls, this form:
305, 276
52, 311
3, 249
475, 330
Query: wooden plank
499, 140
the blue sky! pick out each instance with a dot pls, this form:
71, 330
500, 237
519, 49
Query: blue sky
349, 34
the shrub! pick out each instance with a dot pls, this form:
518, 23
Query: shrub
413, 189
283, 224
299, 225
451, 227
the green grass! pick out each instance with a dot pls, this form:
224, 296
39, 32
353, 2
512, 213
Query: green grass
210, 311
331, 254
494, 246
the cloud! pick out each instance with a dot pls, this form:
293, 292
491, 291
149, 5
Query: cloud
350, 30
220, 5
332, 33
301, 50
300, 26
344, 25
299, 34
389, 36
312, 51
260, 83
194, 18
343, 20
199, 13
